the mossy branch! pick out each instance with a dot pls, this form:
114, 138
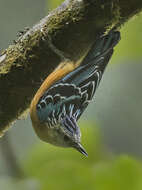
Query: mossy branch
72, 28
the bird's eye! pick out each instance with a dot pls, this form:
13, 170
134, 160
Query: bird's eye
66, 138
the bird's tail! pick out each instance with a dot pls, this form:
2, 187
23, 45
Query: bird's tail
97, 57
102, 48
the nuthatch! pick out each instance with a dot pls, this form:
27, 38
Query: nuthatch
66, 93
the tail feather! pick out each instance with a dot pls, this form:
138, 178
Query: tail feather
98, 57
102, 46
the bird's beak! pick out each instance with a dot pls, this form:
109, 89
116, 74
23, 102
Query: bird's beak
80, 148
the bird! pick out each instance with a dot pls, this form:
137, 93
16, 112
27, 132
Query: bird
66, 92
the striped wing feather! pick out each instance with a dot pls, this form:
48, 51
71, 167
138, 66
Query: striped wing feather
72, 93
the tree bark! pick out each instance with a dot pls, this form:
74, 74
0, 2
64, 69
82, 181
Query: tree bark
71, 28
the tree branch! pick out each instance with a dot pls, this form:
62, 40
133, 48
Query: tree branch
72, 28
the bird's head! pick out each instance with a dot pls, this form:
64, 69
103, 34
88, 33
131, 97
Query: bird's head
67, 134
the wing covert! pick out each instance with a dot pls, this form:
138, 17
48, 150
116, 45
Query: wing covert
64, 99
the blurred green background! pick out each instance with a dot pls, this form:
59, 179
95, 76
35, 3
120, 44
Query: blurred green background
111, 127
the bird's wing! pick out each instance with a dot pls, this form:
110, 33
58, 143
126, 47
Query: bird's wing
98, 57
71, 94
60, 100
67, 99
